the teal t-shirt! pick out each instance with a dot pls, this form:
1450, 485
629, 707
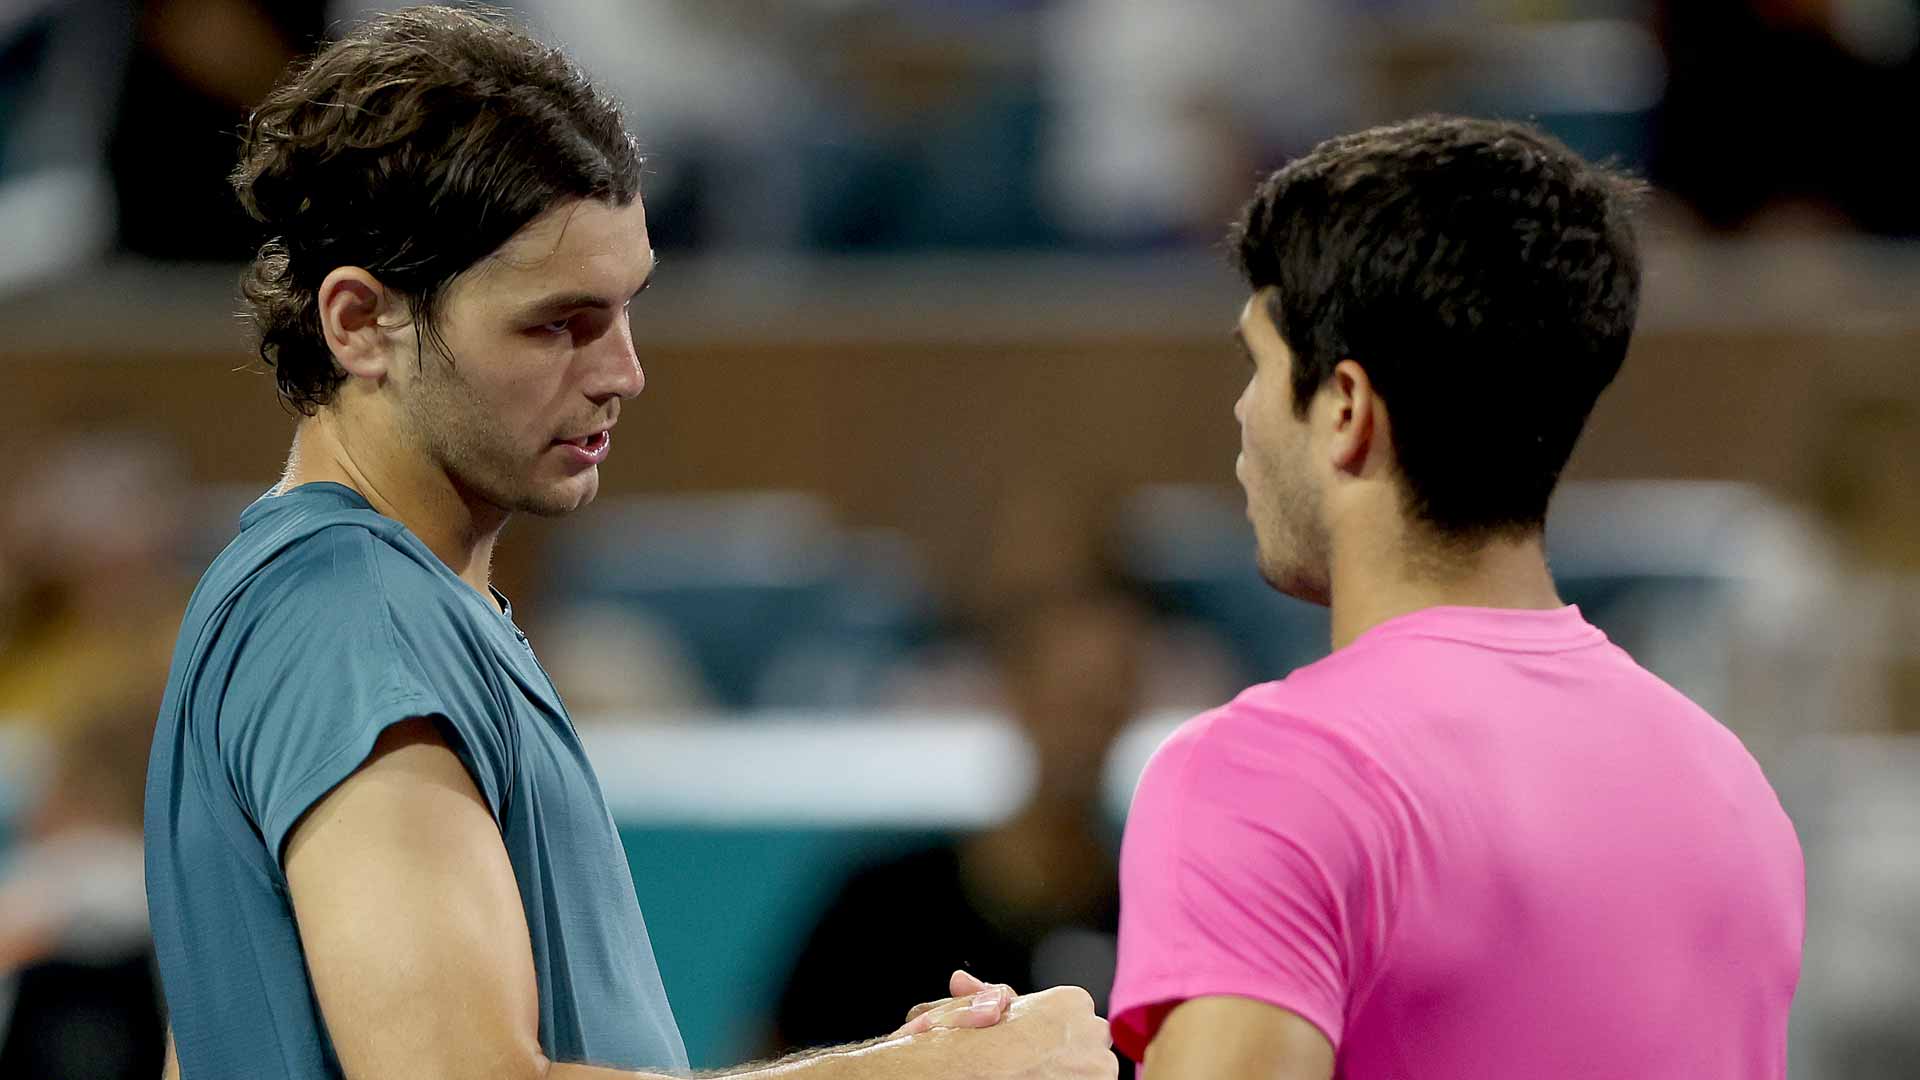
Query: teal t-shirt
321, 624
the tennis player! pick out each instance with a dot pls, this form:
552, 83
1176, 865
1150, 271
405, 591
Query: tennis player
1477, 841
375, 847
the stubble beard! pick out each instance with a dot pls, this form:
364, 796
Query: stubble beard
1295, 553
454, 427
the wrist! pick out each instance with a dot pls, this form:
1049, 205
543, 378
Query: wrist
905, 1057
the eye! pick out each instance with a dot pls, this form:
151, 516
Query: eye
556, 327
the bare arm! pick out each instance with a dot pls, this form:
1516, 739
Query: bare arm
1222, 1037
417, 945
411, 921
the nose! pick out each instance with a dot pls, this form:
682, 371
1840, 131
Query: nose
618, 372
1240, 405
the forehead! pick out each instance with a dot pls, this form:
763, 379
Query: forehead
1256, 315
582, 245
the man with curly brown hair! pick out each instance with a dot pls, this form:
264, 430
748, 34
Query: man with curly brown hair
375, 846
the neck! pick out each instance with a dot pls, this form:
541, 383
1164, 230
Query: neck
458, 529
1378, 575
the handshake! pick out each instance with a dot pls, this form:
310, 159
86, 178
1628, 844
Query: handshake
988, 1032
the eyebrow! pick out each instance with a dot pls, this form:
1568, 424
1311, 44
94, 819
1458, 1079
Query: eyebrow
576, 301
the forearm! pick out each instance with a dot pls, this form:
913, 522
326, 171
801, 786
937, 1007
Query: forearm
920, 1057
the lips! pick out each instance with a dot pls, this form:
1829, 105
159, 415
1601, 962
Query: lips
586, 451
590, 441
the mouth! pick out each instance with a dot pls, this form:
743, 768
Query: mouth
591, 441
589, 448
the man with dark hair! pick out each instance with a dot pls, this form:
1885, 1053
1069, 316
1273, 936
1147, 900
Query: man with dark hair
375, 846
1477, 840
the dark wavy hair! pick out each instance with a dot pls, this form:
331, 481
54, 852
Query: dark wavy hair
413, 147
1484, 276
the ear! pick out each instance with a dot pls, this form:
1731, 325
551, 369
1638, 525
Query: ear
353, 304
1358, 423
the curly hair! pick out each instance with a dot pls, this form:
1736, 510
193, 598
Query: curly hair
413, 147
1485, 278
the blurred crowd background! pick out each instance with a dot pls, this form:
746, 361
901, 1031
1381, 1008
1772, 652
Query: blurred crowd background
924, 530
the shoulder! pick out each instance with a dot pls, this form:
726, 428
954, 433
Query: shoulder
339, 575
1262, 727
1273, 760
340, 604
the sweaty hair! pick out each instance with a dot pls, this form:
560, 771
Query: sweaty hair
413, 147
1485, 278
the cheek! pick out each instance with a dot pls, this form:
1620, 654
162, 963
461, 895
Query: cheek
521, 396
1257, 430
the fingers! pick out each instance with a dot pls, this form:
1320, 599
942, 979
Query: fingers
959, 985
983, 1009
1064, 999
1056, 1030
963, 984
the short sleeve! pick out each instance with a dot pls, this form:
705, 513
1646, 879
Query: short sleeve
334, 654
1258, 862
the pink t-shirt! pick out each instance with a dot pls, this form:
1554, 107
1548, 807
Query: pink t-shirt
1474, 843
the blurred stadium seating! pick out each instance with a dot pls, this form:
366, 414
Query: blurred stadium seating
776, 603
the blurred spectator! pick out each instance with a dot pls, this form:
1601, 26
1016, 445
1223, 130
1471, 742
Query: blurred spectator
610, 662
90, 599
79, 996
1031, 902
836, 124
60, 69
859, 125
930, 131
90, 587
714, 91
1056, 533
1047, 534
1831, 633
1167, 112
1874, 505
1832, 648
1857, 1012
1774, 111
199, 68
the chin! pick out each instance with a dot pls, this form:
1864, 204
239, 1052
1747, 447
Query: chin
1295, 580
563, 498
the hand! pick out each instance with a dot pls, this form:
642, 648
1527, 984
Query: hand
973, 1004
1051, 1035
